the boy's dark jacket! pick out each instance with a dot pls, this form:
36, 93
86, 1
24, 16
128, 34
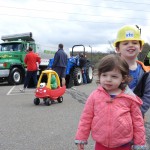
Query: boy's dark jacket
143, 87
60, 59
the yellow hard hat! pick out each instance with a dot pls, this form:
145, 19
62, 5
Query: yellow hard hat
128, 32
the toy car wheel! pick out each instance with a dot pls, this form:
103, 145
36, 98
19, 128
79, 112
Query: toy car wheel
60, 99
36, 101
48, 102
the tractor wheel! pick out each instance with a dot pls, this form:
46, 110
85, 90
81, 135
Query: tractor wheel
77, 76
15, 76
36, 101
69, 81
89, 73
60, 99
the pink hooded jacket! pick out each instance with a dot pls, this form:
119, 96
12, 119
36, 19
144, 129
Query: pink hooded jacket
112, 122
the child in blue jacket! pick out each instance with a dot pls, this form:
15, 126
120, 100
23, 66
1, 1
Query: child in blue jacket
129, 44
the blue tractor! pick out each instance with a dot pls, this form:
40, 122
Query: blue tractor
74, 71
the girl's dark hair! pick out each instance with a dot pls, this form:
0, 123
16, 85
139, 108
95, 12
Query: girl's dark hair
114, 61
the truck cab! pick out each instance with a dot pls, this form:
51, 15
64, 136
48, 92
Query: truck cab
12, 53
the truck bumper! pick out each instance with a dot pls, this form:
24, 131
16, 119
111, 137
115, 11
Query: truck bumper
4, 73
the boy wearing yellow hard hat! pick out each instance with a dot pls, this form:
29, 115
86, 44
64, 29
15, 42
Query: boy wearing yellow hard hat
129, 44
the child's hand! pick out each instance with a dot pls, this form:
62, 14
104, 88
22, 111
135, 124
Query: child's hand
80, 146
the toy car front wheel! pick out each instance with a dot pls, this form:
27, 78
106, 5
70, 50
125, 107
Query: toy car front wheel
60, 99
48, 102
36, 101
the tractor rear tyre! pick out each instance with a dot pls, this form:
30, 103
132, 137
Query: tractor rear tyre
77, 76
69, 81
89, 73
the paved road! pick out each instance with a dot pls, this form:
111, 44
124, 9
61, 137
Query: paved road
24, 126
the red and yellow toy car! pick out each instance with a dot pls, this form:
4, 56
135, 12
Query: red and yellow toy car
49, 88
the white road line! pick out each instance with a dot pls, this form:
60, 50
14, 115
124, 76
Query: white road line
13, 91
10, 90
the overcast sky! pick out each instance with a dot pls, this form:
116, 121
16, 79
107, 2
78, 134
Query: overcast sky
71, 22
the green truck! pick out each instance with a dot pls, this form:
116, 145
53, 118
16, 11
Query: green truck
12, 53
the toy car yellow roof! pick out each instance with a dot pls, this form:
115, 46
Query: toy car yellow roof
49, 76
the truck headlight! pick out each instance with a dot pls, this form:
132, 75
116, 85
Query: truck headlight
1, 65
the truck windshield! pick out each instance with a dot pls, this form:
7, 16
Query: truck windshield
10, 47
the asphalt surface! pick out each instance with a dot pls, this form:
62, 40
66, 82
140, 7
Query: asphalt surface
24, 126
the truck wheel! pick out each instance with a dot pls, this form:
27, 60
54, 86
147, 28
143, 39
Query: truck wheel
15, 76
77, 76
89, 73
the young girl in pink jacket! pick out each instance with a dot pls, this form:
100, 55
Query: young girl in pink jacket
112, 112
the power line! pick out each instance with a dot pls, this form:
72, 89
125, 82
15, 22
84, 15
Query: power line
93, 5
98, 5
22, 8
63, 19
52, 18
128, 2
66, 13
36, 17
84, 5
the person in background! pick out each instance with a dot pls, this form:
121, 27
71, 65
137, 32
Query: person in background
32, 60
129, 44
82, 64
112, 112
60, 63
